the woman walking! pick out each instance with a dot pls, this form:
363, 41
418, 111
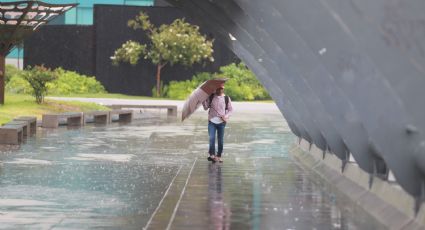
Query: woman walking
220, 109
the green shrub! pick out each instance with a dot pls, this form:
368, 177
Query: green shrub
11, 71
182, 89
65, 82
162, 91
38, 77
18, 85
242, 84
69, 82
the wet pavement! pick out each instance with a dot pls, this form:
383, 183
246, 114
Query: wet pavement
153, 174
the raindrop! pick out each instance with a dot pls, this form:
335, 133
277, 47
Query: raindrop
322, 51
232, 37
336, 225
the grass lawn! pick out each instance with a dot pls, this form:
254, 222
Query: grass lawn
110, 95
24, 105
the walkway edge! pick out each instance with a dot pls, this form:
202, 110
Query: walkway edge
386, 202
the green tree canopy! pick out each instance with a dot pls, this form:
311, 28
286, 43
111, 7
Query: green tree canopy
176, 43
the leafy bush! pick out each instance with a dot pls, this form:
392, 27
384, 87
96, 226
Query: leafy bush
242, 84
18, 85
182, 89
69, 82
11, 71
38, 77
162, 92
66, 83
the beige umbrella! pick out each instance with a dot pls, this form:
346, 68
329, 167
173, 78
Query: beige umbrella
199, 95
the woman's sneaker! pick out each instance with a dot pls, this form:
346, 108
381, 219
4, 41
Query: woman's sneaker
211, 158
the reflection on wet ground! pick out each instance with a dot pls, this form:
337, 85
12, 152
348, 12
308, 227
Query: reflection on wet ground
154, 173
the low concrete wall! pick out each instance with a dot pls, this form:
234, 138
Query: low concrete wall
385, 201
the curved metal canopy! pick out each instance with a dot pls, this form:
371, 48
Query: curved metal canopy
347, 75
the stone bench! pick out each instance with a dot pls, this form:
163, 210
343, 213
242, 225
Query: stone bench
171, 109
11, 134
99, 117
123, 115
24, 124
52, 120
32, 122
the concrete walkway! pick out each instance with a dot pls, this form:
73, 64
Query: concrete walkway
153, 174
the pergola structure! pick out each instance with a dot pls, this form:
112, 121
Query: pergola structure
20, 19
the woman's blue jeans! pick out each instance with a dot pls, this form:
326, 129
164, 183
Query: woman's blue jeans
212, 130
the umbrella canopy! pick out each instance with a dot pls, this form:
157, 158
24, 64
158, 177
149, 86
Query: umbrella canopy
199, 95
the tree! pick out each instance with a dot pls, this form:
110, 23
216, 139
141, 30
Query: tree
176, 43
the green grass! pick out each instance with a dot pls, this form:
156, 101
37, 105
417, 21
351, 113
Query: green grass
111, 95
24, 105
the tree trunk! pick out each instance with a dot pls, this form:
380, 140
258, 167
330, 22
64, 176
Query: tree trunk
2, 76
158, 79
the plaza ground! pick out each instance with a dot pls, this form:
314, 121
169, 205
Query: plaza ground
153, 174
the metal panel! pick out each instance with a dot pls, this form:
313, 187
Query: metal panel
341, 111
